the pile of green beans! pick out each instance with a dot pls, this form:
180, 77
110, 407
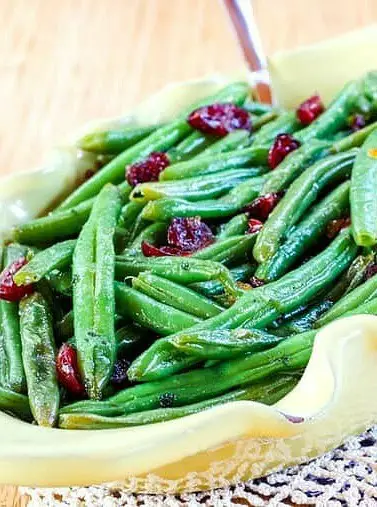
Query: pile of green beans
153, 330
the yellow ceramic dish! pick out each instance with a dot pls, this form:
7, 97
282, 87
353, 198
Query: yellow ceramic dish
229, 443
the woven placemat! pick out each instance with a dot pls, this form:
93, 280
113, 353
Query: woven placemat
346, 476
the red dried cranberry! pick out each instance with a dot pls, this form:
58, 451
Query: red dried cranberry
357, 122
148, 169
370, 270
189, 234
160, 251
254, 225
8, 289
309, 110
219, 119
335, 226
262, 206
283, 145
119, 377
256, 282
68, 370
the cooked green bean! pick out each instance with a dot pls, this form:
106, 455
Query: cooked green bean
149, 313
184, 270
38, 355
354, 140
230, 250
113, 142
363, 194
268, 392
15, 404
224, 343
253, 157
177, 296
153, 233
234, 227
93, 275
286, 123
58, 256
192, 145
236, 140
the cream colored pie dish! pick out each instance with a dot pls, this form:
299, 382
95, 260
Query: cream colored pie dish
223, 445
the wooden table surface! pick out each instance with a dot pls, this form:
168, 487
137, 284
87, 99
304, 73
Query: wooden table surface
64, 62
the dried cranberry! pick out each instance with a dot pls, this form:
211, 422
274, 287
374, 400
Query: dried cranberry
189, 234
219, 119
119, 377
357, 122
262, 206
256, 282
68, 370
283, 145
148, 169
254, 226
335, 226
8, 289
310, 109
370, 270
150, 250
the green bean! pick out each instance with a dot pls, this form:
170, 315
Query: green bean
93, 272
177, 269
224, 343
256, 308
293, 165
267, 392
59, 224
15, 374
361, 294
253, 157
15, 404
355, 140
160, 140
192, 145
61, 282
286, 123
236, 140
257, 108
262, 120
149, 313
113, 142
166, 208
299, 197
38, 354
306, 234
234, 227
213, 288
335, 117
196, 188
369, 89
362, 194
58, 256
4, 370
228, 250
175, 295
129, 214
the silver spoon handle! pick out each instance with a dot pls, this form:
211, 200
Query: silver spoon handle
243, 20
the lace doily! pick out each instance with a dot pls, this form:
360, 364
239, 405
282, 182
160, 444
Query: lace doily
346, 476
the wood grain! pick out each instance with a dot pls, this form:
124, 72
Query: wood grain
64, 62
